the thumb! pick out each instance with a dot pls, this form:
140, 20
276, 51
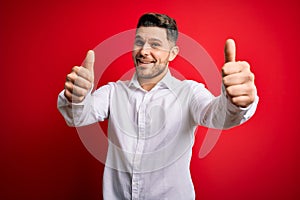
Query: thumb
229, 51
89, 61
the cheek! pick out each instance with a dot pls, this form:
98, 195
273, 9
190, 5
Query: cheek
161, 56
134, 53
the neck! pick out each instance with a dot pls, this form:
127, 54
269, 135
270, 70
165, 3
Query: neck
148, 84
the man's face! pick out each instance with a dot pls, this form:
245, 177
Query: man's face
152, 52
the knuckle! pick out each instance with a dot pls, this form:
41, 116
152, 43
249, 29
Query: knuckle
229, 90
69, 76
89, 85
252, 77
68, 95
242, 101
235, 100
249, 76
246, 65
226, 67
250, 89
72, 76
75, 68
225, 80
67, 85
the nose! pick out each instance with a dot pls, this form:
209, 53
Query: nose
145, 50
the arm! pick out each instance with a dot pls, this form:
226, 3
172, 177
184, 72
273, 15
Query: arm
238, 100
218, 112
76, 103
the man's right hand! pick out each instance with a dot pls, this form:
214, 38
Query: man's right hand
80, 80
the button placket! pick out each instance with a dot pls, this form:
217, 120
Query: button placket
136, 176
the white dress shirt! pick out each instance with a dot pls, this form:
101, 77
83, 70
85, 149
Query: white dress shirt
151, 133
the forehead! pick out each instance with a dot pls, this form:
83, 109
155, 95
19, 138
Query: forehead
151, 33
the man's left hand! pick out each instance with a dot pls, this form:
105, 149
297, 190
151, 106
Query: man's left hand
237, 78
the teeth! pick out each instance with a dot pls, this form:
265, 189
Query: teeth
143, 62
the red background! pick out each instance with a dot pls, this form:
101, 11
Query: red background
42, 158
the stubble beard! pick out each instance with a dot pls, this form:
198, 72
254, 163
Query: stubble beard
155, 71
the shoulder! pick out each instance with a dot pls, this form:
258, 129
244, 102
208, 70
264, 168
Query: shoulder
196, 89
188, 88
116, 84
190, 84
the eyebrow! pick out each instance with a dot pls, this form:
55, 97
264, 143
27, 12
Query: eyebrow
150, 39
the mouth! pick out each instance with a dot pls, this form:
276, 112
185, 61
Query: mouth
143, 62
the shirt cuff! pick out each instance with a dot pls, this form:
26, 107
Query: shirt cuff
67, 102
234, 108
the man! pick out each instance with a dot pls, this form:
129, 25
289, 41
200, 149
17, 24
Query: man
152, 117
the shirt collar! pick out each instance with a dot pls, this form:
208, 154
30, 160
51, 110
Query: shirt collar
134, 82
167, 81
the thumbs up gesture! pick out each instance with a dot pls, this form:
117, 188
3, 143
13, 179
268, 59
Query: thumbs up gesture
80, 80
237, 78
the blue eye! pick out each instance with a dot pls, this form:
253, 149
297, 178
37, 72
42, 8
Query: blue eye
155, 44
139, 43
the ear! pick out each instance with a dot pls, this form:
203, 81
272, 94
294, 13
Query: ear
173, 53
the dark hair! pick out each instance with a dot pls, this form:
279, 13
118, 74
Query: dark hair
162, 21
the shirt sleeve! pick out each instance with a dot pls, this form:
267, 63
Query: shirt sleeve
94, 108
217, 112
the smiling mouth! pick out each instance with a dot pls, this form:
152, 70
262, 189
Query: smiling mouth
144, 62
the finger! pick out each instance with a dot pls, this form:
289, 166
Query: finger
238, 78
230, 51
76, 90
68, 94
89, 61
71, 77
80, 84
73, 93
83, 83
235, 67
240, 90
72, 98
242, 101
83, 73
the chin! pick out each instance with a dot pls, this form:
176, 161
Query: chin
150, 75
145, 75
